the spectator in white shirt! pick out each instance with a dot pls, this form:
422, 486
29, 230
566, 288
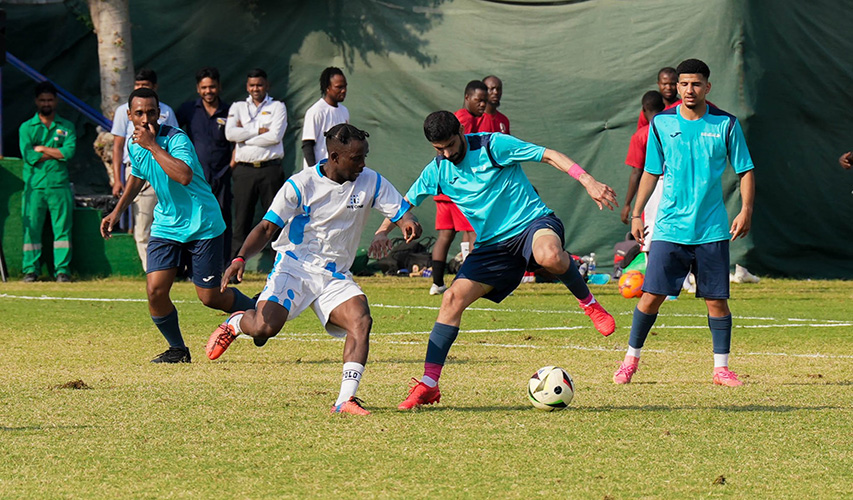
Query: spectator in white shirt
143, 205
257, 127
323, 115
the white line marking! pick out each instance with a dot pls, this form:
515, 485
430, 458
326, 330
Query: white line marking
482, 309
551, 347
795, 322
578, 311
83, 299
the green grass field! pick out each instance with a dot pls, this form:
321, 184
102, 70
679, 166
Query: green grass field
256, 423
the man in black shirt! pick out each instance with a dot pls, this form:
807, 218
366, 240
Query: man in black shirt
204, 122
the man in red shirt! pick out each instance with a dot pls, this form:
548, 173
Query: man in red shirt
666, 85
653, 103
471, 114
493, 120
448, 218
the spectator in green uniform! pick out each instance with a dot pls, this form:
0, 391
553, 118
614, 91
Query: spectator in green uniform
47, 143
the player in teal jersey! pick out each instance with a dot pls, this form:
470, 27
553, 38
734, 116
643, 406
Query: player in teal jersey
690, 146
516, 231
187, 219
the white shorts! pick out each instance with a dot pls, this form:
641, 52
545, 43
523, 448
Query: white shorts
650, 213
295, 289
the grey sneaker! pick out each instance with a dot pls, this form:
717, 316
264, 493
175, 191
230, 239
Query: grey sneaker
30, 278
63, 278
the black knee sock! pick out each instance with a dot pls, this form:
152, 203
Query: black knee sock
438, 272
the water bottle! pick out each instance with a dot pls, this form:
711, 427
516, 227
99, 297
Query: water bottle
591, 262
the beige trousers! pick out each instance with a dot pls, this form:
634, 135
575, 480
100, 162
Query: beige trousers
142, 210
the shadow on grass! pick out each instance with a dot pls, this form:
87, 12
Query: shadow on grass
43, 427
431, 408
336, 361
733, 408
840, 382
644, 408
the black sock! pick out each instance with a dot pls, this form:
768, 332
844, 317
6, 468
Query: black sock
438, 272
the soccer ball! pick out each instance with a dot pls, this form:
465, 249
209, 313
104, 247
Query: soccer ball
631, 284
551, 388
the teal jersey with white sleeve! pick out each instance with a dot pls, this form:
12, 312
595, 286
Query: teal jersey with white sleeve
183, 213
692, 155
488, 185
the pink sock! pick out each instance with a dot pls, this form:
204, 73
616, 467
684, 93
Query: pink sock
433, 370
587, 301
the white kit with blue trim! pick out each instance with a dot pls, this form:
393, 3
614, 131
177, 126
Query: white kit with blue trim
323, 220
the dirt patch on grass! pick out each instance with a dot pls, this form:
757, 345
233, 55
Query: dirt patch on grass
73, 384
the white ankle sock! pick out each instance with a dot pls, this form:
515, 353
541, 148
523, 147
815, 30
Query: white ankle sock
465, 247
349, 381
235, 322
721, 360
634, 351
587, 301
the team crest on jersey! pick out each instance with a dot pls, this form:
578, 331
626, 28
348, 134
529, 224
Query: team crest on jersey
355, 201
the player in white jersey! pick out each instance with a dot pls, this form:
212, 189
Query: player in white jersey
321, 213
324, 114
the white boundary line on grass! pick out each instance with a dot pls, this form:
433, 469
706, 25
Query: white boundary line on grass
322, 337
794, 322
577, 311
304, 337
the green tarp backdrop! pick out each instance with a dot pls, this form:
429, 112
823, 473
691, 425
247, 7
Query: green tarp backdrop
573, 76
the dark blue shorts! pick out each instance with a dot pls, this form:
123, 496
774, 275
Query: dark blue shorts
669, 264
205, 255
502, 264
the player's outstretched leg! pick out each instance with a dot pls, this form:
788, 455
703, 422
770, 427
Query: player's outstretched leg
426, 391
260, 324
601, 319
462, 293
548, 252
